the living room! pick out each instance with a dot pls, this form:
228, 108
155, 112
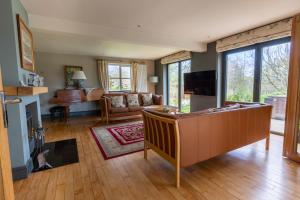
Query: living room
149, 100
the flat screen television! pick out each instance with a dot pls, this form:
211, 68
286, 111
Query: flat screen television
200, 83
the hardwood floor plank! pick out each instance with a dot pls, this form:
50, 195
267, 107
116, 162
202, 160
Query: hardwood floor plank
247, 173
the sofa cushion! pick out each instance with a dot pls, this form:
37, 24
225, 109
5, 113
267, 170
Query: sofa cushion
135, 108
133, 100
147, 99
250, 105
119, 110
117, 102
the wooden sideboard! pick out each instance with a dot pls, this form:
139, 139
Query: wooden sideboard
67, 97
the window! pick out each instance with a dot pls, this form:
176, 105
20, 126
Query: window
259, 73
240, 76
176, 96
119, 77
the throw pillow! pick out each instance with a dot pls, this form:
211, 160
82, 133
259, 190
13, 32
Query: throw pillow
147, 99
133, 100
117, 102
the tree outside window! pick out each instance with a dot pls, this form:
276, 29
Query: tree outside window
119, 77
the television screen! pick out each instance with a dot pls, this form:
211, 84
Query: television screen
200, 83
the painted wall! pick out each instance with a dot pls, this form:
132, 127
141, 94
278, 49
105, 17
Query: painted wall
12, 74
161, 86
200, 62
51, 66
9, 47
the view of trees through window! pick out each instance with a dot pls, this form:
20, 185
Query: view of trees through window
119, 77
173, 70
274, 73
271, 69
186, 98
275, 68
240, 76
176, 85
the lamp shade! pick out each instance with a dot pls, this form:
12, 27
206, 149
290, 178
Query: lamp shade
153, 79
79, 75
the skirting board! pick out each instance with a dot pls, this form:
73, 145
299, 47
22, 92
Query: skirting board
22, 171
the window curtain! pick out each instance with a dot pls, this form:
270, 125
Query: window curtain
266, 33
179, 56
139, 77
134, 68
103, 75
141, 81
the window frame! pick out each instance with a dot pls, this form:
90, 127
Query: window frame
257, 66
120, 78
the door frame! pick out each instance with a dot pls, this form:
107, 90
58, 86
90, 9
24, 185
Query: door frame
6, 181
180, 81
293, 98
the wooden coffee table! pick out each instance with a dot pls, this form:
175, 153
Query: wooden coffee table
163, 108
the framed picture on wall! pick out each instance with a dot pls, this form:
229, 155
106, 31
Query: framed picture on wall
25, 45
69, 70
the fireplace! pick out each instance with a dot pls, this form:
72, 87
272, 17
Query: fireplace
32, 124
29, 124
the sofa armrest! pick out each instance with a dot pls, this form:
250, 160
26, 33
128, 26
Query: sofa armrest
157, 99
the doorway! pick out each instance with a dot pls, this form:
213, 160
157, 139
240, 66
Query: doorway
175, 82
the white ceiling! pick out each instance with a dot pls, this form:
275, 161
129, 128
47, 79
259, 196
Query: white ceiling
110, 27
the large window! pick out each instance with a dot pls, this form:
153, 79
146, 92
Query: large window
259, 73
176, 96
119, 77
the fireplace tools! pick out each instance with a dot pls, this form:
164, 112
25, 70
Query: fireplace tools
39, 135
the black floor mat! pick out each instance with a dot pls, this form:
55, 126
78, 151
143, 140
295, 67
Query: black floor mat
56, 154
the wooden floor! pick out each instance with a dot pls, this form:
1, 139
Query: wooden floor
247, 173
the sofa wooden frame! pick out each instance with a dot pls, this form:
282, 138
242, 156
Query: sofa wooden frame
155, 139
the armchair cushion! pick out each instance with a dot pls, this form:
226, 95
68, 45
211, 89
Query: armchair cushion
117, 102
157, 99
133, 100
147, 99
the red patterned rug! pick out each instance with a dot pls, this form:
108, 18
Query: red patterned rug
128, 134
118, 140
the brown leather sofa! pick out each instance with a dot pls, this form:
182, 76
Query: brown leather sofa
109, 112
186, 139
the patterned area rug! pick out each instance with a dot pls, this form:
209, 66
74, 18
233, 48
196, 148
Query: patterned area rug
119, 139
128, 134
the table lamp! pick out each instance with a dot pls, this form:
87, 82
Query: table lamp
79, 76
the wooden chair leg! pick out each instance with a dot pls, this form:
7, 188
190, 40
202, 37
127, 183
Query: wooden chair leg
177, 176
102, 116
145, 151
267, 143
66, 113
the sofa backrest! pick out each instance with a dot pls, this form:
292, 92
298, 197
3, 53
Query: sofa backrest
214, 133
124, 94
